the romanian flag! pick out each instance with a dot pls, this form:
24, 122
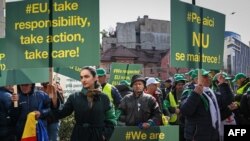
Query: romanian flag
29, 133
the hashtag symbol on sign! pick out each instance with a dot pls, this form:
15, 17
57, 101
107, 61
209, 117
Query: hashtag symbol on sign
28, 9
189, 16
128, 136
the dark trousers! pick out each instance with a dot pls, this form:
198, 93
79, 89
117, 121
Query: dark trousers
181, 133
8, 138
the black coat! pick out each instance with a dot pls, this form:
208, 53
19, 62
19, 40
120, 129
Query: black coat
6, 126
245, 107
123, 89
35, 100
92, 124
225, 97
8, 114
198, 122
137, 110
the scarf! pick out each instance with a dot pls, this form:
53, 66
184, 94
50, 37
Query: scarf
91, 94
214, 108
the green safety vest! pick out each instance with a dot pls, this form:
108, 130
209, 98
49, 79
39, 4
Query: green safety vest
173, 103
107, 90
241, 90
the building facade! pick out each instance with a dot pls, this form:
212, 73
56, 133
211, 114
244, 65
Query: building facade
2, 19
144, 33
145, 41
236, 54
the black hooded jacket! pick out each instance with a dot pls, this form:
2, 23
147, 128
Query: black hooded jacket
8, 114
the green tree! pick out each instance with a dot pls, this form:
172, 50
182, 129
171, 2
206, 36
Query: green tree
66, 128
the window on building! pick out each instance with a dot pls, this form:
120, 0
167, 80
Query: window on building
229, 66
108, 66
2, 19
153, 48
151, 71
138, 47
113, 45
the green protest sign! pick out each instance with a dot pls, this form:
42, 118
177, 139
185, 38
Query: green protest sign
120, 71
72, 72
23, 76
186, 38
3, 55
74, 35
157, 133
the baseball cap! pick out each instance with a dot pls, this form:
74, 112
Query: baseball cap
203, 73
190, 72
239, 76
124, 82
179, 77
225, 75
157, 79
100, 72
152, 80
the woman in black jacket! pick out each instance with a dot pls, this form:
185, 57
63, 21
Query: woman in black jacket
94, 114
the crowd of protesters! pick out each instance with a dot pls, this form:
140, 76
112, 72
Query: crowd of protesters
201, 107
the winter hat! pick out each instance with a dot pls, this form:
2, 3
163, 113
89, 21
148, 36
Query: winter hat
137, 77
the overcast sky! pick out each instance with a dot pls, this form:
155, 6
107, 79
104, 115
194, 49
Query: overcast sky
113, 11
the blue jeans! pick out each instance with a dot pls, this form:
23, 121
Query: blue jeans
53, 131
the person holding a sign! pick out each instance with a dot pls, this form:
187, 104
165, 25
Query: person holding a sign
7, 114
53, 125
201, 111
31, 100
139, 108
94, 113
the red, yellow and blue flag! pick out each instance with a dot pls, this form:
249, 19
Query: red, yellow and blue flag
29, 133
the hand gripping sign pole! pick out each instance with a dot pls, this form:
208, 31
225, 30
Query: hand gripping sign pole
200, 48
50, 44
51, 92
15, 93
